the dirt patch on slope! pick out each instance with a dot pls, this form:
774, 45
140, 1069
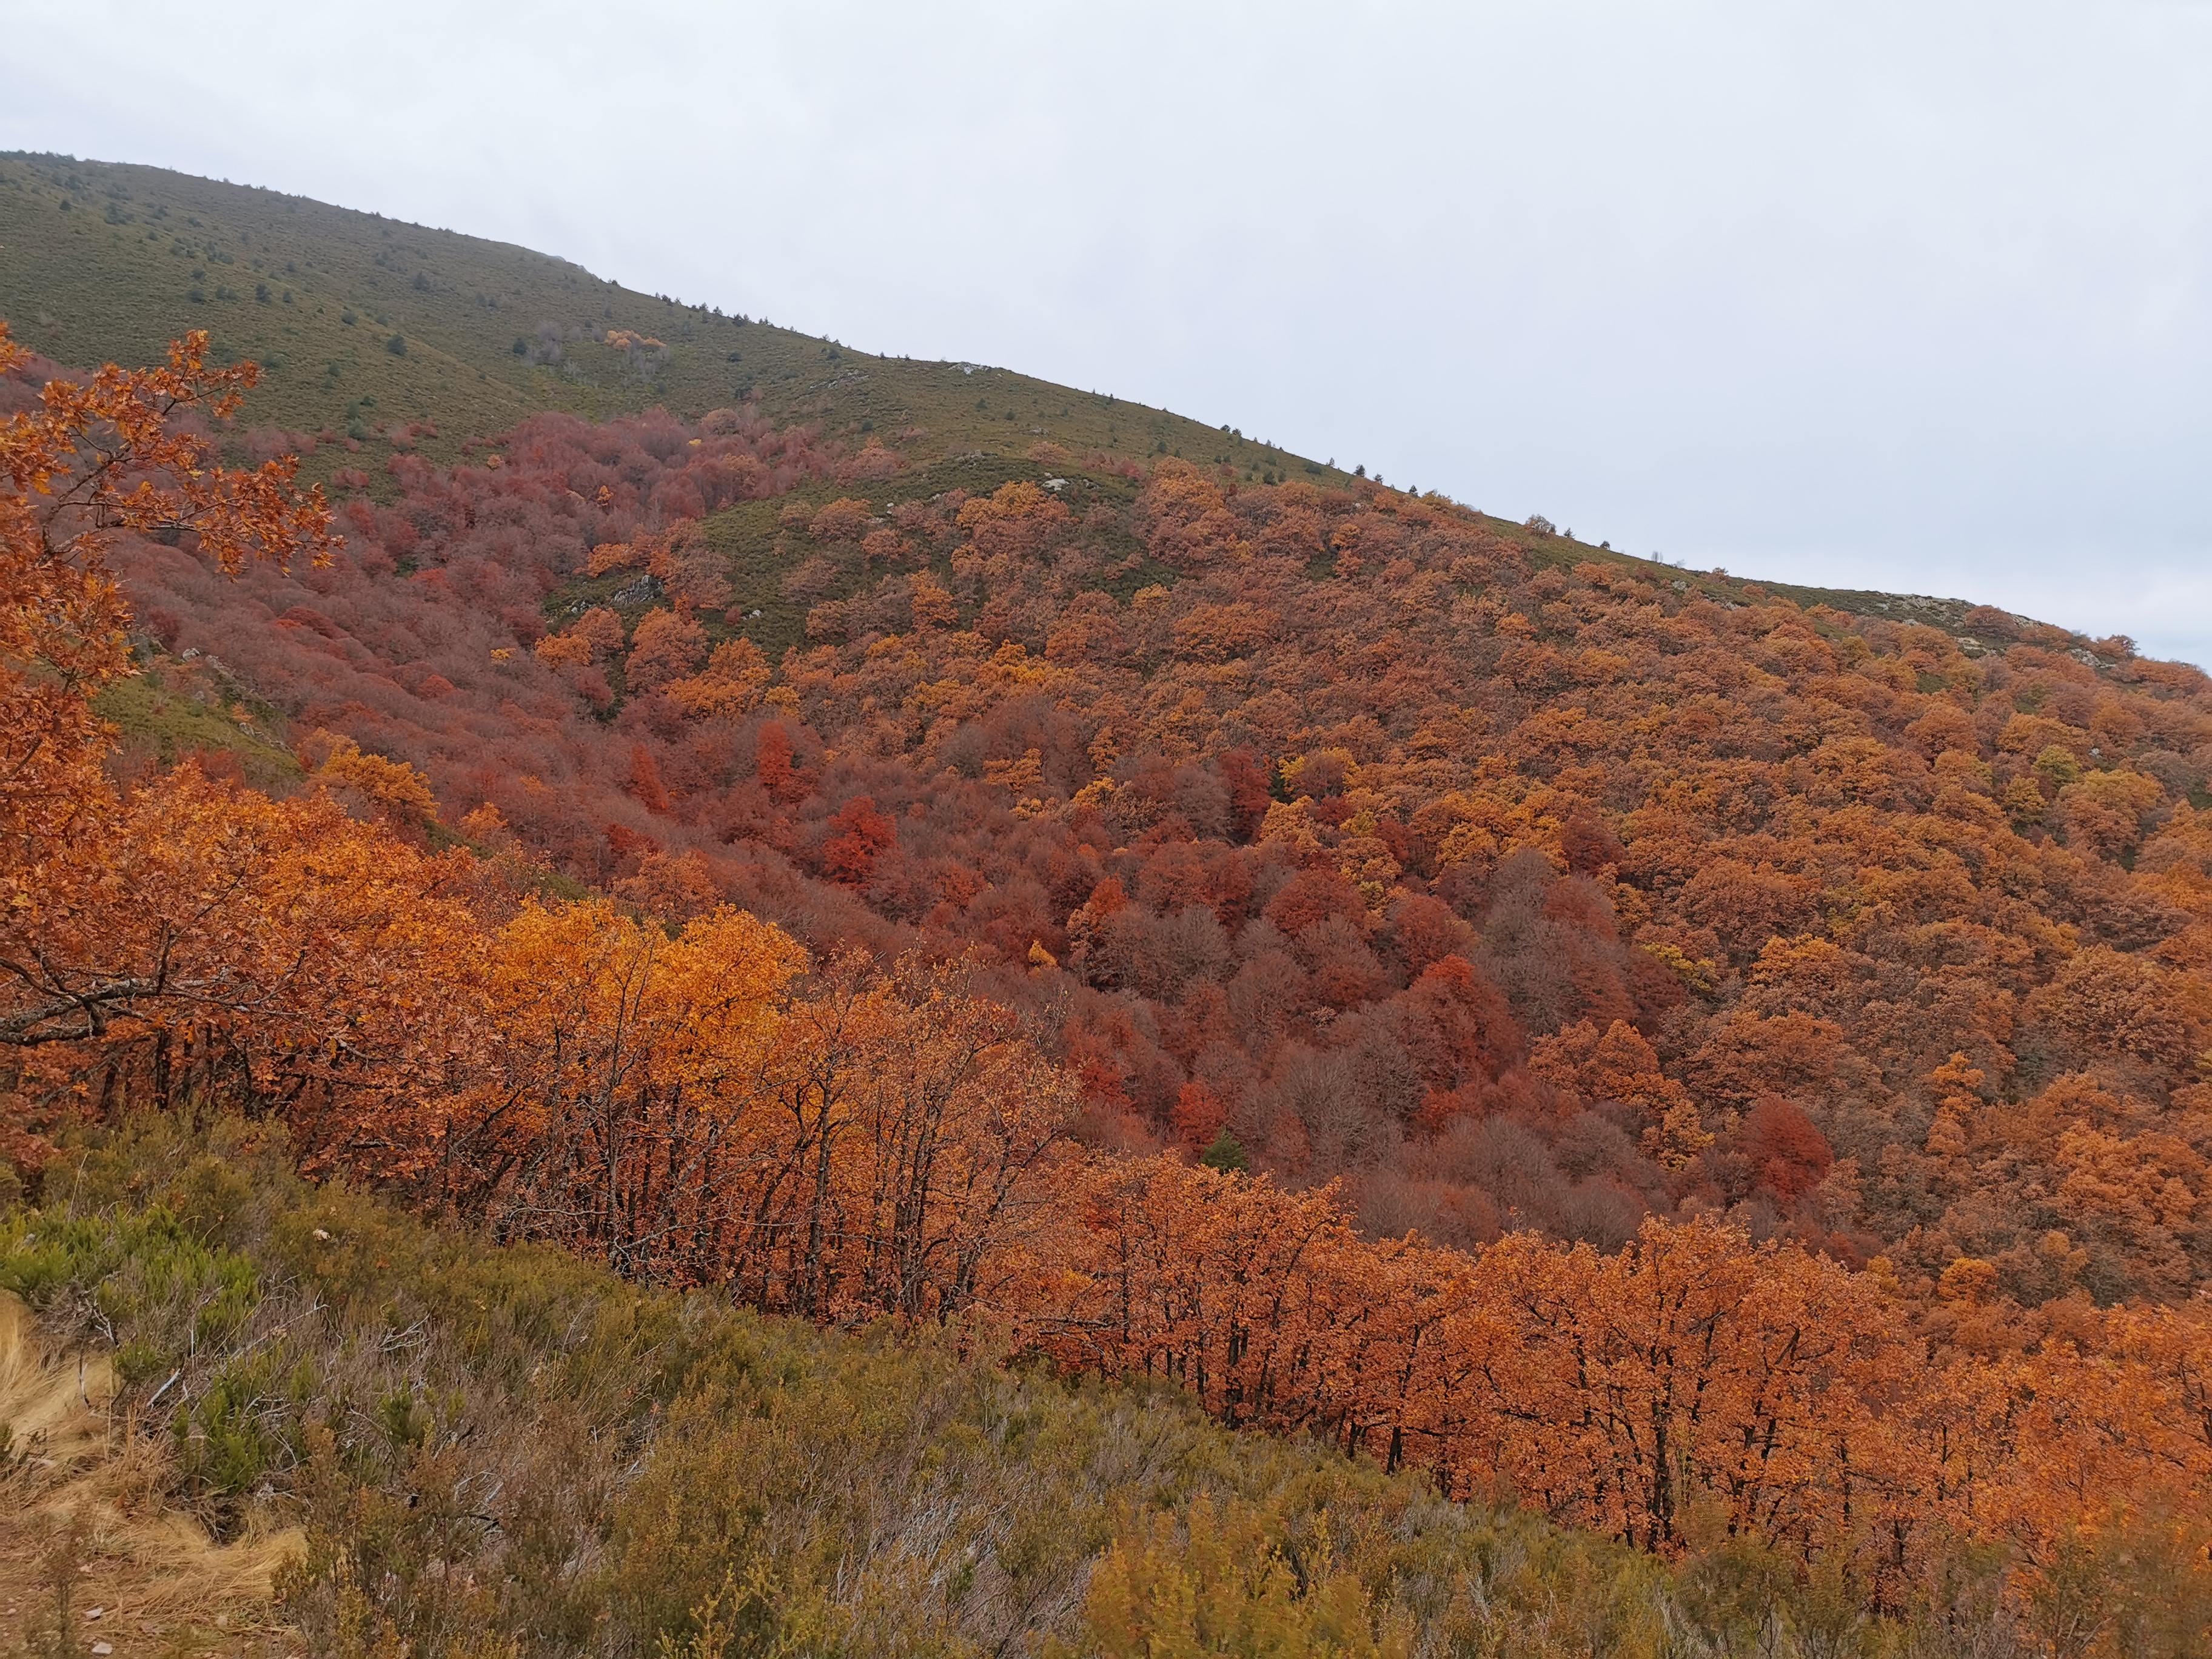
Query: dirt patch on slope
92, 1560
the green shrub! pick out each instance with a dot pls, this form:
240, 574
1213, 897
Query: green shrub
1226, 1153
141, 1279
244, 1427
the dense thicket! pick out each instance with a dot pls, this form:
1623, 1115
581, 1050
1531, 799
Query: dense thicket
1517, 893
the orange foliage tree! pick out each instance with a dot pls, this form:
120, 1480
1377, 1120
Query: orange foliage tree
96, 461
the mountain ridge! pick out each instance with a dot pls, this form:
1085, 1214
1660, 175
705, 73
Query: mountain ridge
489, 331
461, 374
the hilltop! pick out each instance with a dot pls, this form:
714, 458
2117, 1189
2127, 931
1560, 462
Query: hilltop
366, 326
107, 262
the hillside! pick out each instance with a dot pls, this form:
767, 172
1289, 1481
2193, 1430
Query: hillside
1727, 1070
1219, 775
476, 1448
367, 326
495, 332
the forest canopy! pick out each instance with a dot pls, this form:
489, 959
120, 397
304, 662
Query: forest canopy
1669, 1054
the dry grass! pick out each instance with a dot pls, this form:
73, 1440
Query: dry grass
84, 1526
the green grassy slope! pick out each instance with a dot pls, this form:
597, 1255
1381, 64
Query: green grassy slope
102, 262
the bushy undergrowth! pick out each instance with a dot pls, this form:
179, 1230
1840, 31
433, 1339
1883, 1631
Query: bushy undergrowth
505, 1450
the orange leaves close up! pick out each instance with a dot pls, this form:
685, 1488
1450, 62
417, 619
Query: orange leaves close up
95, 460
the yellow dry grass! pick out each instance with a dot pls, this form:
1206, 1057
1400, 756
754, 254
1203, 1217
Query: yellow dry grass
83, 1501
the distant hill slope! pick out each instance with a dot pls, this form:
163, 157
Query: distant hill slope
371, 325
364, 322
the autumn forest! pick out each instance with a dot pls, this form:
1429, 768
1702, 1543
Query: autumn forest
1705, 1067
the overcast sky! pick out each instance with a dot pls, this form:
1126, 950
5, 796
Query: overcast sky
1913, 296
